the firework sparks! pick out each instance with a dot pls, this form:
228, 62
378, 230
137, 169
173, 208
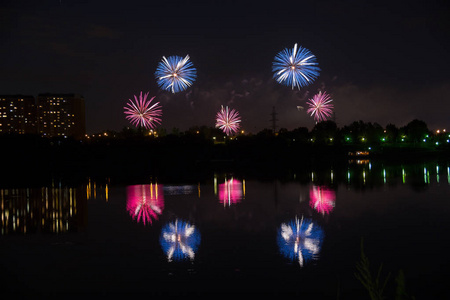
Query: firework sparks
141, 112
296, 67
145, 202
175, 73
179, 240
228, 120
322, 199
300, 240
320, 107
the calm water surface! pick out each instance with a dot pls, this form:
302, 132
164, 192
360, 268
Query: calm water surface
300, 233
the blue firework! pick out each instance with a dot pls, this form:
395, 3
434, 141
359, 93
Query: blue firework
300, 240
179, 240
295, 67
175, 73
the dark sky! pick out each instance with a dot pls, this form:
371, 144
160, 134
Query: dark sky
383, 61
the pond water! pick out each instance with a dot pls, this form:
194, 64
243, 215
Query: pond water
227, 233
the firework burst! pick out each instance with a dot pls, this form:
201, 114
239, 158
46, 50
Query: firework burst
296, 67
228, 120
320, 107
175, 73
141, 112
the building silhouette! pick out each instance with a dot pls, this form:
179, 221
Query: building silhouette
18, 114
61, 115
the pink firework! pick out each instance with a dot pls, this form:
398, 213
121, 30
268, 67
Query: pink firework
141, 112
230, 192
145, 202
322, 199
320, 107
228, 120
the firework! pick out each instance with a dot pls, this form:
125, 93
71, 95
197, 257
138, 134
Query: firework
145, 202
175, 73
141, 112
230, 192
320, 107
300, 240
179, 240
296, 67
322, 199
228, 120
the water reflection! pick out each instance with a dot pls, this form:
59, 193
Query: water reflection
322, 199
180, 189
145, 202
378, 173
179, 240
97, 191
53, 209
231, 192
300, 240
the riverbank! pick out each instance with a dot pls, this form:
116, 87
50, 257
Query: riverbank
31, 157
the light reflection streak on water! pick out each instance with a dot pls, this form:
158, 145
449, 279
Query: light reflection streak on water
230, 192
27, 210
215, 185
448, 175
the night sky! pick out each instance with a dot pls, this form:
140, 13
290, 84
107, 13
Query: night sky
384, 62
